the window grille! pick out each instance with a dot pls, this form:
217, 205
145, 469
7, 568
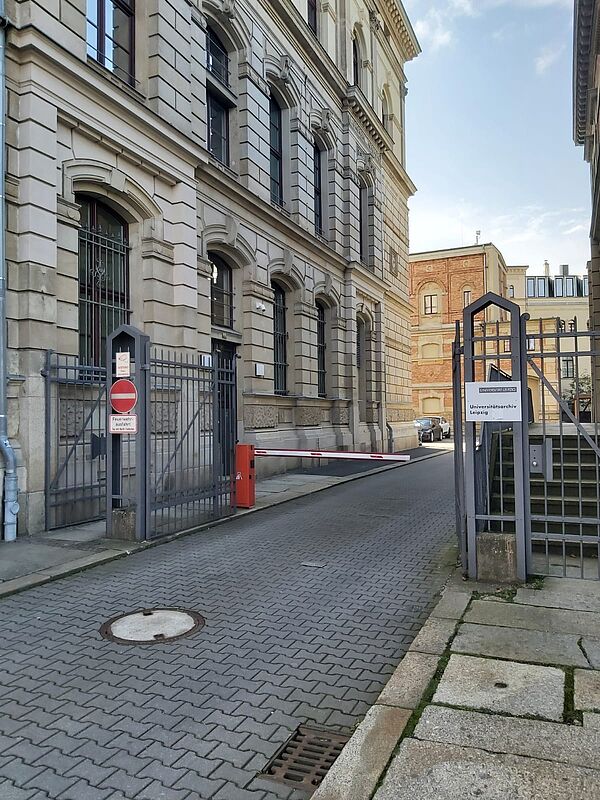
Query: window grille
279, 340
103, 278
321, 347
318, 189
276, 141
110, 36
217, 60
221, 292
218, 129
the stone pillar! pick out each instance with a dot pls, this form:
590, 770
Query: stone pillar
304, 334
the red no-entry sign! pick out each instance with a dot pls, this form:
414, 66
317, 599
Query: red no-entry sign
123, 396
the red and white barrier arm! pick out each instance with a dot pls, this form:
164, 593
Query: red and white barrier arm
342, 455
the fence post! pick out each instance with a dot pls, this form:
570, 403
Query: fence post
459, 467
126, 500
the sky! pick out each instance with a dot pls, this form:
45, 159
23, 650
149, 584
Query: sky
489, 131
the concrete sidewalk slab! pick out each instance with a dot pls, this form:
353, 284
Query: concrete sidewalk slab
587, 690
432, 771
409, 681
566, 593
566, 744
537, 647
533, 618
502, 686
434, 636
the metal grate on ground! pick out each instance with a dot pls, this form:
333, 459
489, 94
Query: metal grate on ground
306, 757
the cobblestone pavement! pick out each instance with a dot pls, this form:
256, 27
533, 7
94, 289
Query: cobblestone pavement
198, 718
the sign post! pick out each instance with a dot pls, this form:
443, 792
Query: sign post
128, 362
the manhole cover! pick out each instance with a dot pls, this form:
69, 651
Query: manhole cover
306, 757
151, 625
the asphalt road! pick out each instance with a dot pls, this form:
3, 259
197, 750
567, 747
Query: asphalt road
284, 644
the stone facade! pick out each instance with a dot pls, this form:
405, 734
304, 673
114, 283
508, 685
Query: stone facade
137, 142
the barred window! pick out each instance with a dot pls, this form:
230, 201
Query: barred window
103, 278
279, 339
276, 143
110, 36
217, 60
321, 348
312, 16
218, 129
318, 189
221, 292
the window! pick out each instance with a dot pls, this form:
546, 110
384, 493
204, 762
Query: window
530, 287
276, 140
312, 15
531, 343
570, 287
110, 35
363, 223
321, 346
430, 304
103, 278
318, 189
466, 297
568, 367
542, 287
385, 112
559, 289
217, 60
586, 286
221, 292
279, 340
218, 129
361, 365
511, 291
355, 62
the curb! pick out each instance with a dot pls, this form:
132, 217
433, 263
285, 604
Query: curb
358, 771
24, 582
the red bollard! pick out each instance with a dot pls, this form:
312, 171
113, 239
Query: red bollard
245, 476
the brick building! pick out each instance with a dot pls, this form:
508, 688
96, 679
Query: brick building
225, 175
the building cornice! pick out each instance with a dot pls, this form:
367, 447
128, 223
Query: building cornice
401, 28
583, 47
356, 102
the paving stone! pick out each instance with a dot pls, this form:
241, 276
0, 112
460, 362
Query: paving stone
521, 645
333, 640
410, 680
433, 771
591, 721
434, 636
592, 650
452, 604
502, 686
567, 744
534, 618
569, 593
587, 690
357, 769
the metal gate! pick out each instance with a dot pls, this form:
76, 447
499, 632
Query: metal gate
537, 478
75, 464
191, 441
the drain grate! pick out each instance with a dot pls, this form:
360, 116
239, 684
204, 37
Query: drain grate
306, 757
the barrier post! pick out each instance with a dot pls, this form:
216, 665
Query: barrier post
245, 476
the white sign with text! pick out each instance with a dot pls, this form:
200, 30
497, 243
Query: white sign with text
123, 423
493, 401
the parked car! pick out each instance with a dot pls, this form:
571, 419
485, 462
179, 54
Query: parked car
429, 429
445, 426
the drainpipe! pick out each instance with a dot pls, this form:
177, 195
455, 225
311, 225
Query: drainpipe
11, 487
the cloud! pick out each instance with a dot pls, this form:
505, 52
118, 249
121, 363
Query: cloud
547, 56
432, 30
527, 235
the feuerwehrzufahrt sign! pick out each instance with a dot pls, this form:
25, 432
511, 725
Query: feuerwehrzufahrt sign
493, 401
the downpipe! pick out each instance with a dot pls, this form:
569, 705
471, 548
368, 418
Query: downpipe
11, 484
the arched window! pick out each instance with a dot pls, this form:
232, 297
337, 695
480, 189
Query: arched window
279, 339
363, 222
362, 367
318, 189
312, 16
356, 61
511, 291
221, 292
103, 278
321, 351
217, 59
276, 142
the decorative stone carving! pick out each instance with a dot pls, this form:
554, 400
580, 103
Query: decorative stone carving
260, 416
340, 416
285, 69
232, 227
229, 9
306, 415
163, 413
